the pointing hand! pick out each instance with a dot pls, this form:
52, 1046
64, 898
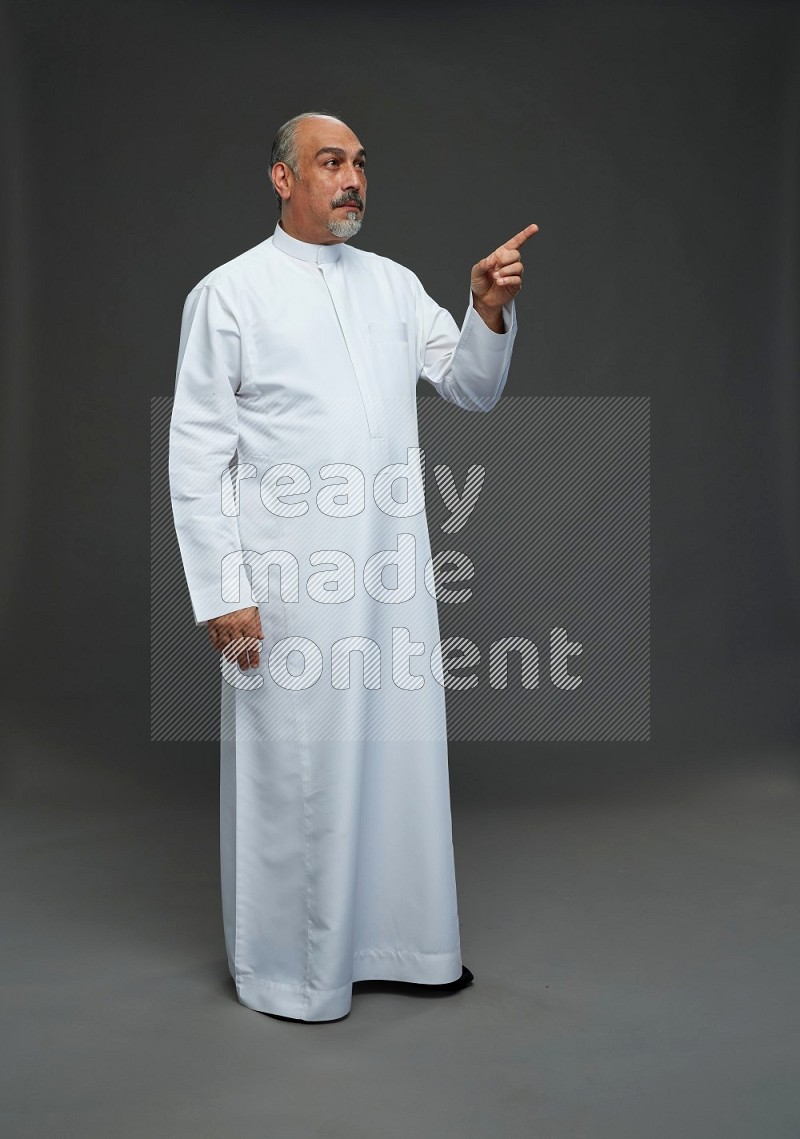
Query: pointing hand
498, 278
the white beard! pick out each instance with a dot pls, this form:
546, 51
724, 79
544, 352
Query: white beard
347, 228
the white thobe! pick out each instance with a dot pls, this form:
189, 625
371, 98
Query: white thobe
294, 441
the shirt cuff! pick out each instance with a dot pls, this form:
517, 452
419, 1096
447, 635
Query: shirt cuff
208, 603
497, 341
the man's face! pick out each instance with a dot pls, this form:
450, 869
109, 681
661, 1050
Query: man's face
326, 203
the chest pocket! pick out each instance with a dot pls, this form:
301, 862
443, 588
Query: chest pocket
392, 359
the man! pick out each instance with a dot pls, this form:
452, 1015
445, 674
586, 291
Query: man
294, 427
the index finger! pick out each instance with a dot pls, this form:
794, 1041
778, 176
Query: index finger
520, 238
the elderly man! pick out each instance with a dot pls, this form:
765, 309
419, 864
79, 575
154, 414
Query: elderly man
294, 444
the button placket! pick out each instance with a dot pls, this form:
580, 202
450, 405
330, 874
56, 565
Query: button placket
357, 350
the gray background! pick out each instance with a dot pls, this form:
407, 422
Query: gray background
628, 909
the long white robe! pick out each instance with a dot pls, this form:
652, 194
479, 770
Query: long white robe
299, 362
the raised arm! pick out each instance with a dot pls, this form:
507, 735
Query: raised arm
470, 367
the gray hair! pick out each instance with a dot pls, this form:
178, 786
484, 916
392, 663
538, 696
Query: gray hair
284, 146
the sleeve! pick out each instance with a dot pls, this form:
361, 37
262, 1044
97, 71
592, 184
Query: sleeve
203, 439
470, 367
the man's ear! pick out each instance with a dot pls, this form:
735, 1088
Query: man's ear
282, 179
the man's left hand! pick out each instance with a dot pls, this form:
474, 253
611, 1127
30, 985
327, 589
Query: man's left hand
498, 278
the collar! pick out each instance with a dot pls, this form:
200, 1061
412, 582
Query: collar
305, 250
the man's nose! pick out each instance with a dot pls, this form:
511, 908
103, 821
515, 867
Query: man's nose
352, 178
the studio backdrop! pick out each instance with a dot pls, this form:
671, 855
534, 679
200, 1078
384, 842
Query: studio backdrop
641, 490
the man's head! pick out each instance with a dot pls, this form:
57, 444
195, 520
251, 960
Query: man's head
318, 171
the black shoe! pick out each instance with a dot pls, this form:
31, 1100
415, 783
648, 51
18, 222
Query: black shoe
299, 1019
461, 982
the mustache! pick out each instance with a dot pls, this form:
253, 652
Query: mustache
346, 201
